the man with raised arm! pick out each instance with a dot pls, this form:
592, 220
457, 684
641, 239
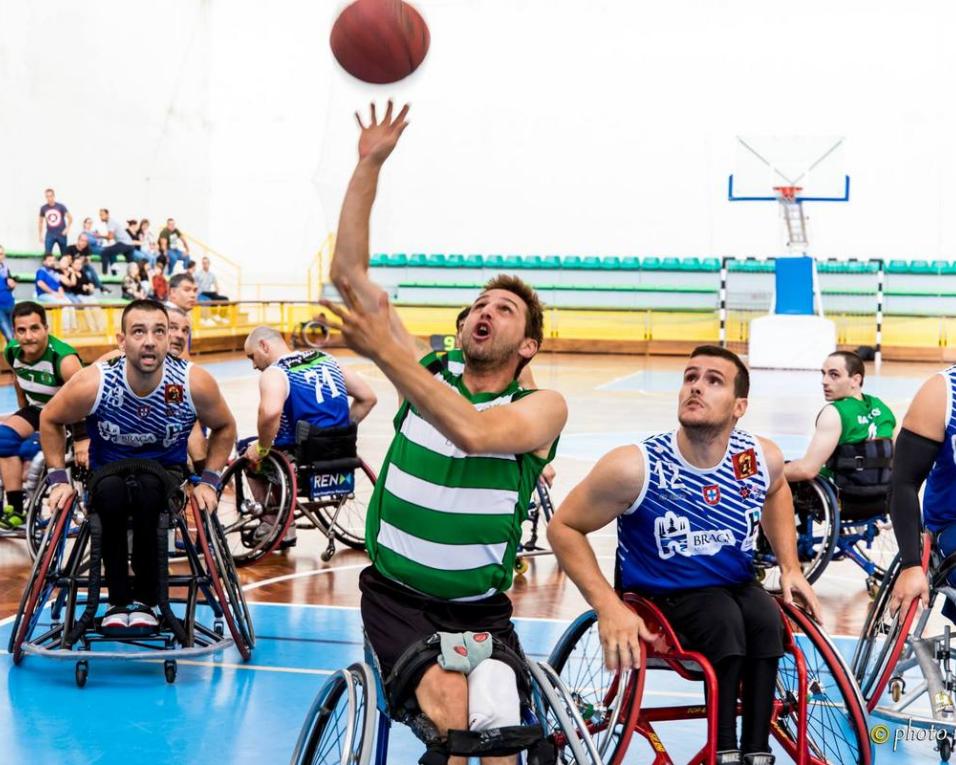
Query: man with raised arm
687, 505
445, 519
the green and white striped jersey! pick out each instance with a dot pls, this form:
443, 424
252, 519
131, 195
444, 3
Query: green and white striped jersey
41, 379
443, 522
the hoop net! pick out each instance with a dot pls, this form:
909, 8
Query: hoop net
787, 193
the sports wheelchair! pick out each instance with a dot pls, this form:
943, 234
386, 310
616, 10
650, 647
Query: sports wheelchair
818, 713
845, 517
58, 614
902, 661
341, 728
322, 484
539, 512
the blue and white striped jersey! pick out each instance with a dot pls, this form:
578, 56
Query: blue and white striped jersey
156, 426
939, 497
316, 393
693, 528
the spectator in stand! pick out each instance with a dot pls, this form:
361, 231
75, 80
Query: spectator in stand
7, 301
148, 250
47, 282
94, 240
182, 292
64, 269
83, 291
121, 243
160, 286
207, 284
173, 244
57, 220
132, 288
81, 251
145, 280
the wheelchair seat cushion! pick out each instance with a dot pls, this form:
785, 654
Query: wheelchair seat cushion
396, 618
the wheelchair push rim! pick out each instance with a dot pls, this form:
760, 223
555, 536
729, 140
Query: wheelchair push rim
339, 728
243, 516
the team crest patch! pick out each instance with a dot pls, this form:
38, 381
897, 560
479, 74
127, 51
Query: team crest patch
173, 394
143, 411
744, 492
745, 464
711, 494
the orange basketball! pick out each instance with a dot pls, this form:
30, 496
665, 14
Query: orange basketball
379, 41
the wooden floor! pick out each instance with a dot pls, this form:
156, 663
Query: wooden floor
612, 400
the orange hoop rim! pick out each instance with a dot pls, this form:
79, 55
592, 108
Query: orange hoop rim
787, 193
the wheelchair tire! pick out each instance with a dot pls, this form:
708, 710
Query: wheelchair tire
242, 516
603, 698
41, 584
559, 712
350, 521
837, 729
38, 515
221, 572
339, 728
314, 334
814, 547
883, 641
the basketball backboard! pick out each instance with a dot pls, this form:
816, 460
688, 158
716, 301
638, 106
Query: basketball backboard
813, 164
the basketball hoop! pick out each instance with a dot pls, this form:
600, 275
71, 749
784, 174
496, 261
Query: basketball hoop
787, 193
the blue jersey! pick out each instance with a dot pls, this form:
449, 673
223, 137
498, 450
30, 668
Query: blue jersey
156, 426
692, 528
939, 497
315, 393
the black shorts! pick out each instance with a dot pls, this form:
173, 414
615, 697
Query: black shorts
738, 620
31, 414
396, 617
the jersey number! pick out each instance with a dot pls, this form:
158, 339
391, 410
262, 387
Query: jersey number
322, 379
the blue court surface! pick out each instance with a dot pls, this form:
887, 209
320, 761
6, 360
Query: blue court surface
221, 710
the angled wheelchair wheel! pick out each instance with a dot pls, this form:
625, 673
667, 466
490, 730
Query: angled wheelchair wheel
818, 526
345, 516
340, 726
602, 697
43, 578
559, 712
256, 506
883, 641
836, 723
39, 515
210, 540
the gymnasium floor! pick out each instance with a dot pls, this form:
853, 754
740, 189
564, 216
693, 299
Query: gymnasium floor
221, 710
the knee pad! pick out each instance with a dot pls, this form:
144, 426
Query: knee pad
493, 700
10, 442
29, 447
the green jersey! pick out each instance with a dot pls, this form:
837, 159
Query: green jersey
444, 522
41, 379
861, 420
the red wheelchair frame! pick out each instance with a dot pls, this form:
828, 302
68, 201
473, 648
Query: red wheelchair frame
668, 653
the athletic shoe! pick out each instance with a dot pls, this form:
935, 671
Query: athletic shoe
12, 520
116, 618
142, 616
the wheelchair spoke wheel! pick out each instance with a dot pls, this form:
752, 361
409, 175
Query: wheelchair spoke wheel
348, 513
340, 726
837, 730
42, 581
224, 580
602, 697
878, 546
561, 717
39, 516
255, 507
818, 526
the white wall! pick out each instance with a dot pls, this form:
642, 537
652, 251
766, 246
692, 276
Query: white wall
538, 126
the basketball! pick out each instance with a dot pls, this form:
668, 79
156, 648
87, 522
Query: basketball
379, 41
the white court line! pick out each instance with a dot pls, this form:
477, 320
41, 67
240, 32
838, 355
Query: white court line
254, 667
301, 575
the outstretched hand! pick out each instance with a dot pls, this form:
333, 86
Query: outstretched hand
365, 330
378, 139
